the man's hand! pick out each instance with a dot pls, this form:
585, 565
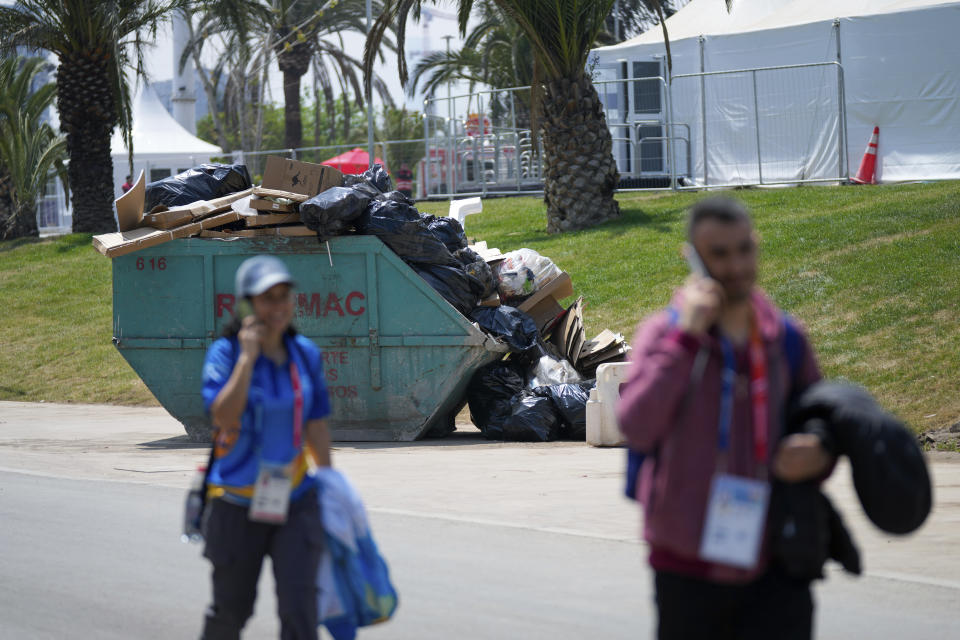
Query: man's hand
701, 304
801, 457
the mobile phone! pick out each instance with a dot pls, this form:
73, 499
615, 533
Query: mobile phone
244, 308
693, 259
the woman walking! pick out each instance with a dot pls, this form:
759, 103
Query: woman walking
264, 389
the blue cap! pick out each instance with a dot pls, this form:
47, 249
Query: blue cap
259, 273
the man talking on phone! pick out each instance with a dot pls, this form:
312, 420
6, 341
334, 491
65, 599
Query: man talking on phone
705, 401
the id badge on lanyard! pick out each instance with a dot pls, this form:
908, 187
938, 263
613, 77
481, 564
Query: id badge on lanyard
271, 493
737, 509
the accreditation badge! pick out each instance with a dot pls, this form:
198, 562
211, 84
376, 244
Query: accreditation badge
271, 493
735, 522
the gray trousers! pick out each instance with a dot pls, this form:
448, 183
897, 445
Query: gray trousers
237, 546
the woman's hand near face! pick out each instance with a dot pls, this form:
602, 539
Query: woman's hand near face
251, 337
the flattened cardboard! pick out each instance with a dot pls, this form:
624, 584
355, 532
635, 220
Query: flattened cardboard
263, 204
568, 335
164, 218
263, 219
304, 178
130, 205
277, 193
559, 288
113, 245
298, 230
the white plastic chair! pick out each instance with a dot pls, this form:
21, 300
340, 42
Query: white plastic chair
460, 209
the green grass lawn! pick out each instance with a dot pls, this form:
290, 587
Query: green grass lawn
872, 271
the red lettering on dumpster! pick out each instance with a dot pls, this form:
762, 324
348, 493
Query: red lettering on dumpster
333, 304
224, 302
344, 391
349, 303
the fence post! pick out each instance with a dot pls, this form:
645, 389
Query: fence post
425, 174
703, 111
756, 119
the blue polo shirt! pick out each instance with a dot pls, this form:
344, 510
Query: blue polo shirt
266, 430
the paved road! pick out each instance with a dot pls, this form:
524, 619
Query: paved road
484, 540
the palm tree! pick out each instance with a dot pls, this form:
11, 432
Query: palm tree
580, 174
29, 148
97, 42
302, 35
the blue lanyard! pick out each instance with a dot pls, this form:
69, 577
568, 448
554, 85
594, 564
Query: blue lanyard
727, 381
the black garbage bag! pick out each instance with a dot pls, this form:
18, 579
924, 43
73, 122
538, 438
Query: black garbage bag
205, 182
451, 283
532, 419
399, 226
376, 176
449, 230
332, 212
490, 396
479, 272
570, 400
515, 327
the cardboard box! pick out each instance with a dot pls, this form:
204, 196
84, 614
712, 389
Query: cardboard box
124, 242
305, 178
543, 306
130, 205
264, 204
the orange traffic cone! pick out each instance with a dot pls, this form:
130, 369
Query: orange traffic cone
867, 174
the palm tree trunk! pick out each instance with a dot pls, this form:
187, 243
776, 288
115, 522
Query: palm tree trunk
13, 225
292, 122
87, 117
580, 174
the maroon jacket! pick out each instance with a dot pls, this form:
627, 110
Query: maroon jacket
678, 430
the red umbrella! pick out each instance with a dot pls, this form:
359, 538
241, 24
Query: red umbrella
354, 161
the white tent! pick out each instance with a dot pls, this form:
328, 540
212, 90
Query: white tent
161, 147
808, 121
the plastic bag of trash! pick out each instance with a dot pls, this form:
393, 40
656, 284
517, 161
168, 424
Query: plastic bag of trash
449, 230
400, 227
375, 176
532, 418
449, 282
513, 326
550, 370
479, 272
523, 272
570, 401
331, 212
204, 182
490, 397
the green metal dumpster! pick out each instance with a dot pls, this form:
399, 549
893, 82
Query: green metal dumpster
397, 356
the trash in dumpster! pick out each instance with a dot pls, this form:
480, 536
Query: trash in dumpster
513, 326
522, 273
401, 228
532, 419
376, 176
480, 273
570, 400
205, 182
490, 396
449, 231
451, 283
331, 212
295, 176
543, 306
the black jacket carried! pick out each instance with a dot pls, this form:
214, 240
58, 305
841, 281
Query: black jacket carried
889, 474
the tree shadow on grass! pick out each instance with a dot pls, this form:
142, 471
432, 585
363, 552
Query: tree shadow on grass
61, 244
10, 245
632, 218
